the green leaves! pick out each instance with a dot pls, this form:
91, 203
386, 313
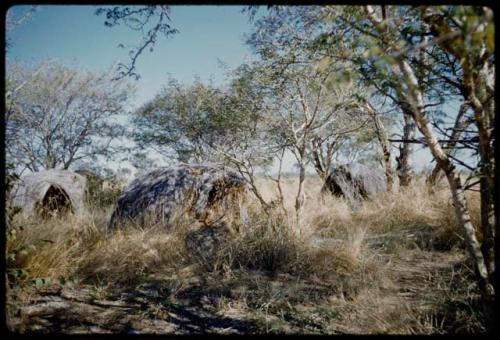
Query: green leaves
190, 120
342, 78
43, 283
490, 37
62, 281
18, 273
323, 64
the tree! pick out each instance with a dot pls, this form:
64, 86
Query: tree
184, 121
202, 123
150, 20
297, 36
56, 115
396, 49
411, 90
385, 145
462, 121
319, 108
307, 112
467, 34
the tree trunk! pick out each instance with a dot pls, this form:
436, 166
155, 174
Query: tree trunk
459, 201
487, 187
457, 190
299, 199
385, 145
487, 226
404, 161
476, 87
460, 124
461, 210
318, 166
435, 176
479, 88
281, 198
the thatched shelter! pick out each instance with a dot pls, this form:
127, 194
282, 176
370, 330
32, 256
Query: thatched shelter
355, 181
207, 192
45, 192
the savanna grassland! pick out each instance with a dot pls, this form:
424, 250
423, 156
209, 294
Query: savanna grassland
397, 265
331, 90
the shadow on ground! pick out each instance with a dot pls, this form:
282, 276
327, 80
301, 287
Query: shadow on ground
147, 308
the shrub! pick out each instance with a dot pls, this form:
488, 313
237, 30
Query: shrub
103, 192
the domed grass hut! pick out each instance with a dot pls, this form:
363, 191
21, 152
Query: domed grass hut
355, 182
50, 192
207, 192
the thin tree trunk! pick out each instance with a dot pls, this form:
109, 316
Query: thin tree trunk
484, 118
322, 162
454, 180
404, 161
479, 87
299, 199
459, 201
253, 186
281, 197
435, 176
385, 145
487, 185
247, 173
487, 225
300, 155
460, 124
462, 212
318, 166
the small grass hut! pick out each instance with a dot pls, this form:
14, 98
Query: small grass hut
50, 192
355, 181
207, 192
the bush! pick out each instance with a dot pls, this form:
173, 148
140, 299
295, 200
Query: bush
266, 243
271, 244
103, 192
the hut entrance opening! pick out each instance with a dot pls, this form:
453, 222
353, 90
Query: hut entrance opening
333, 187
56, 202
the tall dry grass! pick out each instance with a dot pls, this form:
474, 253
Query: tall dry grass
66, 246
331, 244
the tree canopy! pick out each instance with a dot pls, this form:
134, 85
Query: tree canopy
57, 115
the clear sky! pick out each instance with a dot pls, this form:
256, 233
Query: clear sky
73, 33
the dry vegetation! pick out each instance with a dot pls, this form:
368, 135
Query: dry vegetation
396, 265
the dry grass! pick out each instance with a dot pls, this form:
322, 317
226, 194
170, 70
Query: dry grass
68, 247
336, 273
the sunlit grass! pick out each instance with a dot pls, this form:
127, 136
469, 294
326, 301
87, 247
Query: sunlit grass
346, 255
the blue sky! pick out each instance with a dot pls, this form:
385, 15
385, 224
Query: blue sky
74, 34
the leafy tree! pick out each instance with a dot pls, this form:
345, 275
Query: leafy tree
312, 103
56, 115
202, 123
466, 33
418, 58
412, 87
184, 121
